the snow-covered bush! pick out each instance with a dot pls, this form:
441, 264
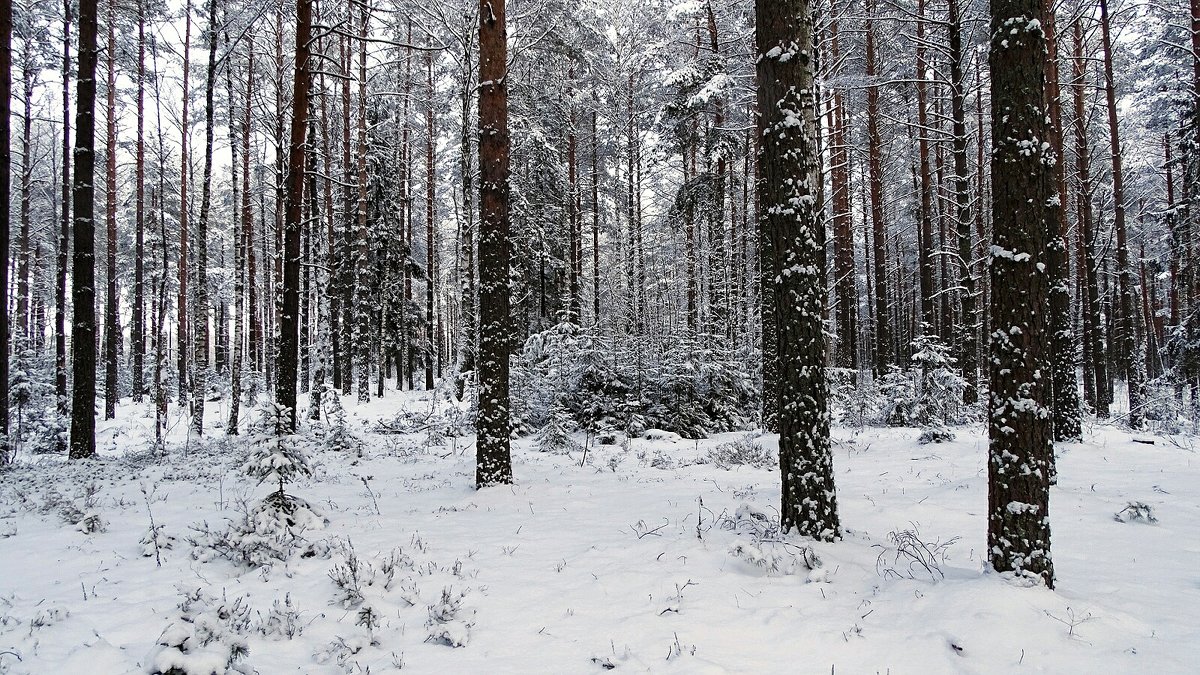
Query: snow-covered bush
555, 436
338, 437
763, 546
745, 451
449, 621
282, 622
208, 638
935, 433
1136, 512
276, 457
907, 555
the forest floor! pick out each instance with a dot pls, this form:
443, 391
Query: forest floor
638, 557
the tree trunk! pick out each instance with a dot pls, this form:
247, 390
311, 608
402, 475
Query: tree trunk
111, 328
791, 219
182, 303
201, 306
843, 226
64, 232
968, 330
493, 461
285, 382
1065, 388
883, 328
1019, 423
1093, 329
1127, 332
430, 226
363, 299
926, 246
137, 327
5, 189
83, 267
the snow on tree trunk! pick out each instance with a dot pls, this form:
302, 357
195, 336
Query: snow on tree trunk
493, 461
1019, 422
792, 219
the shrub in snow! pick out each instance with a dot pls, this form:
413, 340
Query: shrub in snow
262, 534
155, 541
449, 621
276, 457
555, 436
362, 584
339, 438
745, 451
908, 555
765, 548
935, 433
282, 622
208, 638
1136, 512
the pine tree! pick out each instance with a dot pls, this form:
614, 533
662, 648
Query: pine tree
791, 219
83, 285
493, 460
1019, 423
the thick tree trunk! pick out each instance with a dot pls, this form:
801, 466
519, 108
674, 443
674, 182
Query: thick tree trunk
791, 219
83, 267
1019, 423
843, 225
493, 461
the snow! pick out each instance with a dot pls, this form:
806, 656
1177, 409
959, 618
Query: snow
625, 561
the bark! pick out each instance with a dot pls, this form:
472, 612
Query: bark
968, 329
843, 226
242, 216
430, 226
1127, 329
1094, 341
64, 231
362, 288
137, 328
926, 247
285, 382
5, 189
883, 328
791, 218
111, 328
201, 306
1019, 424
83, 261
1065, 388
182, 301
493, 460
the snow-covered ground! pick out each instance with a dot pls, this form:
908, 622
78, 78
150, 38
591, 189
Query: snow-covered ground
634, 558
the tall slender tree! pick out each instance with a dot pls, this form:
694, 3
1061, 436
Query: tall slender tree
493, 459
137, 328
289, 319
83, 267
200, 306
112, 328
5, 188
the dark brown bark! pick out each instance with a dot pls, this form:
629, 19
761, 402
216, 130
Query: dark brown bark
181, 314
926, 246
5, 189
1065, 388
285, 383
883, 326
83, 261
111, 328
493, 460
201, 305
792, 219
1127, 329
430, 226
843, 226
968, 329
64, 230
1019, 424
1094, 342
137, 328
